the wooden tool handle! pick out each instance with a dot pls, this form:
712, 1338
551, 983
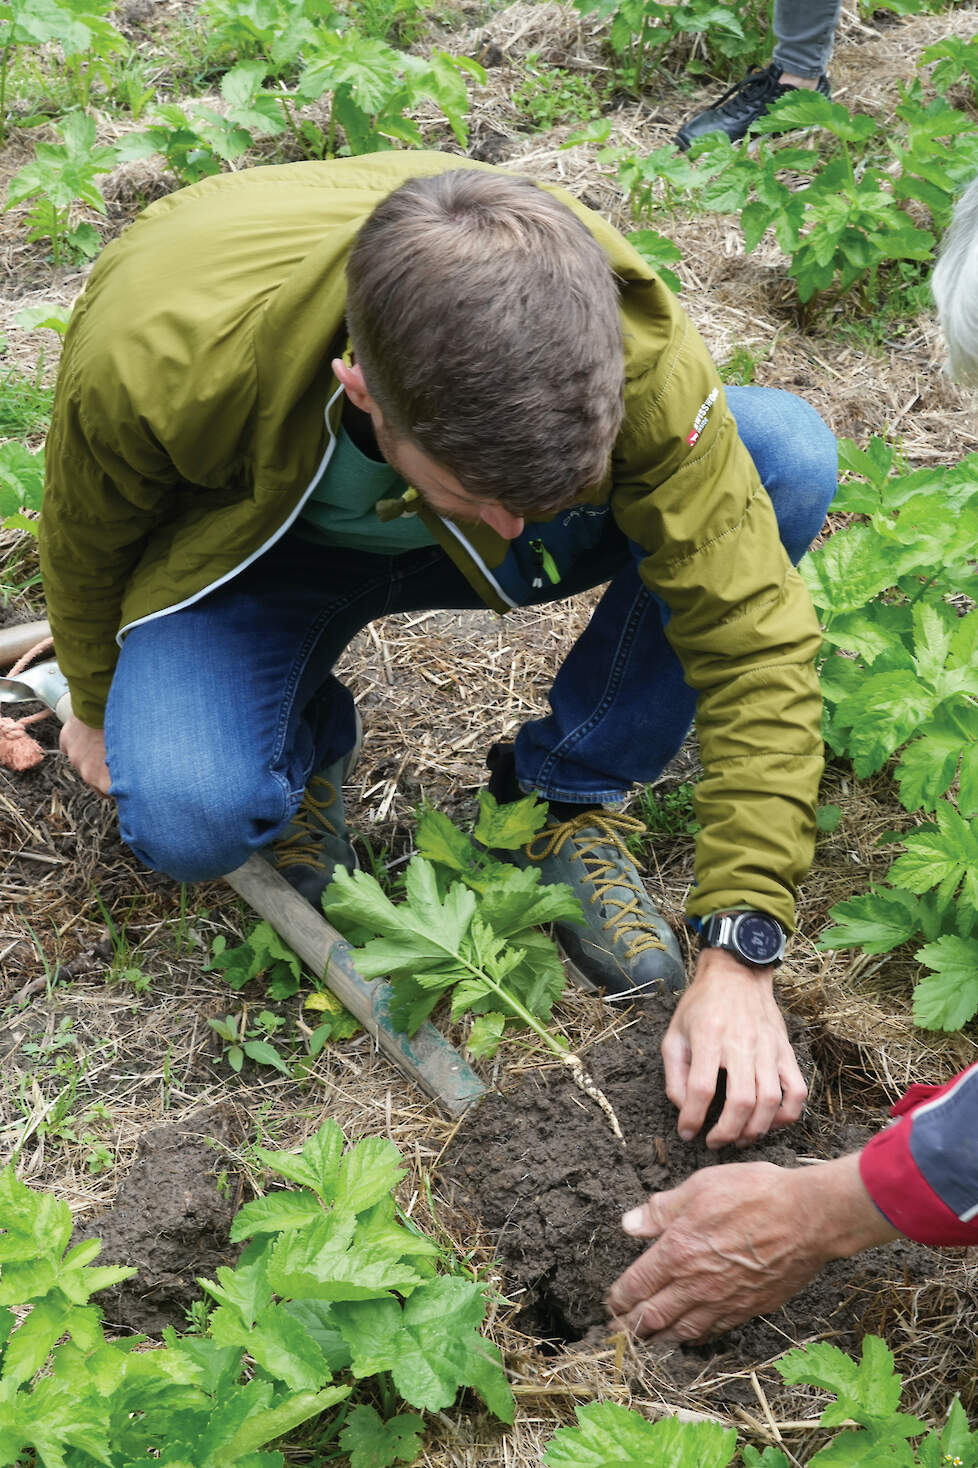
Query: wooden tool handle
425, 1057
15, 641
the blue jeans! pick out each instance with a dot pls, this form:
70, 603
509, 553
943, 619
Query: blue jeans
219, 713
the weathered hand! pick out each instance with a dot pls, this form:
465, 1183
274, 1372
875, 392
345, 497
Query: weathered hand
729, 1019
85, 750
738, 1240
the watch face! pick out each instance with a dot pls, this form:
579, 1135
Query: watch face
759, 938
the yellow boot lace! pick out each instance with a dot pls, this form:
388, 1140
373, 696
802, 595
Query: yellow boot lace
303, 845
604, 829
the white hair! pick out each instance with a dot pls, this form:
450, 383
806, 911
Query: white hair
955, 287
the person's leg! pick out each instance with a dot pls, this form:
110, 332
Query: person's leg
620, 712
621, 708
805, 34
218, 714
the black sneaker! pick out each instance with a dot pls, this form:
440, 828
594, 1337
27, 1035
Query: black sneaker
743, 104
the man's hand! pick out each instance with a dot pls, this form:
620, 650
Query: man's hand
729, 1019
85, 750
737, 1241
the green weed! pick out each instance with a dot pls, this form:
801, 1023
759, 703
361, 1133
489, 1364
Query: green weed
331, 1290
867, 1392
669, 813
550, 94
25, 402
641, 31
239, 1044
61, 176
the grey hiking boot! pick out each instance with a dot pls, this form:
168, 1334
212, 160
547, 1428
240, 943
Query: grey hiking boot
625, 946
316, 841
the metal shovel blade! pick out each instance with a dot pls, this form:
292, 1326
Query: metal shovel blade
44, 683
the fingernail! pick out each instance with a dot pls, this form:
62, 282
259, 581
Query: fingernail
687, 1135
632, 1220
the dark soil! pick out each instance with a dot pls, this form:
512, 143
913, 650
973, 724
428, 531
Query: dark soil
170, 1220
542, 1171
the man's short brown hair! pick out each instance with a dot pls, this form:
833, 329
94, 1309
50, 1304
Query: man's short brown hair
484, 317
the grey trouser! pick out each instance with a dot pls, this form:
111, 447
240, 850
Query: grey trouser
805, 31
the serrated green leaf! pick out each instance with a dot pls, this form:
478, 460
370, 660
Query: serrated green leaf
611, 1434
927, 768
368, 1172
947, 998
314, 1165
876, 922
885, 711
275, 1213
513, 898
431, 1347
281, 1347
510, 826
268, 1423
439, 840
373, 1443
485, 1035
852, 567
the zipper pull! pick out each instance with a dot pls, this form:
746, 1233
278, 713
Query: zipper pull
544, 563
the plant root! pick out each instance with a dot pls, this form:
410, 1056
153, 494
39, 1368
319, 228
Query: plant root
584, 1083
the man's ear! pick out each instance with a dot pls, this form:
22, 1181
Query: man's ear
351, 379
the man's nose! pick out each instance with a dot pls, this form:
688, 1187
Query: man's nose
507, 525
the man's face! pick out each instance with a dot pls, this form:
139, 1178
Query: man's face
441, 490
436, 485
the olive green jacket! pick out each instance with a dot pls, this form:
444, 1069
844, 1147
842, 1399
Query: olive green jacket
190, 423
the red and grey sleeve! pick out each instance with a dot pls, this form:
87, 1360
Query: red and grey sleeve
922, 1170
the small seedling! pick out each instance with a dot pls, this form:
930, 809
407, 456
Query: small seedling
550, 94
237, 1045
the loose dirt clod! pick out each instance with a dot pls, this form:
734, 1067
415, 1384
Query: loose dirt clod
171, 1220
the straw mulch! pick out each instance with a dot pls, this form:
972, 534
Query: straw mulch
103, 965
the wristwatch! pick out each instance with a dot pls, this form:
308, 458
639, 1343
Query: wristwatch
753, 937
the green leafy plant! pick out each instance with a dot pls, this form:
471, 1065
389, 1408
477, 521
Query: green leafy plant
642, 30
550, 94
954, 59
21, 486
240, 1044
659, 252
868, 1394
899, 670
467, 927
61, 176
841, 209
331, 1290
670, 813
262, 955
895, 593
874, 1431
607, 1434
